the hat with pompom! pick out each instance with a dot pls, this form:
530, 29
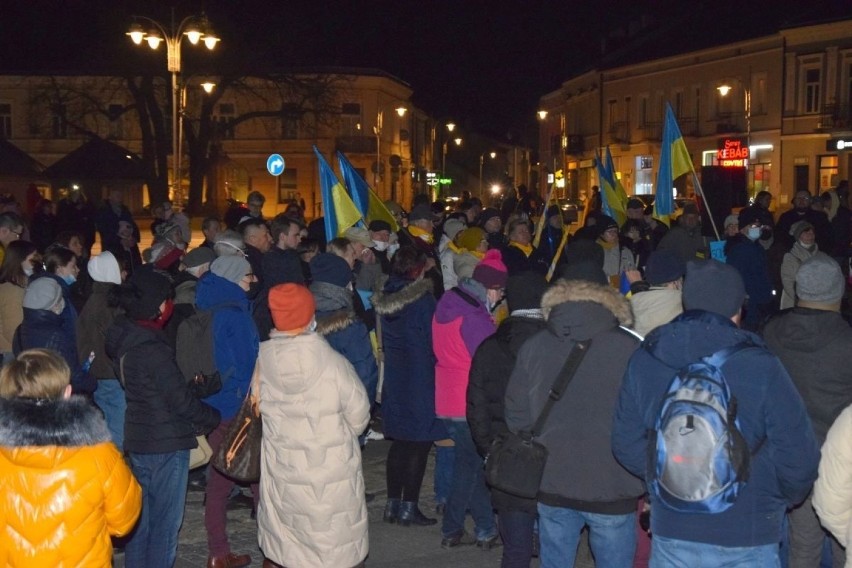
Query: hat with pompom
491, 272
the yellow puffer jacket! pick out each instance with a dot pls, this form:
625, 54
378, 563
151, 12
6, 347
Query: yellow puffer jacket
64, 487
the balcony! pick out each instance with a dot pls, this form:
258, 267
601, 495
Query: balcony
836, 116
575, 144
730, 122
652, 131
619, 133
356, 144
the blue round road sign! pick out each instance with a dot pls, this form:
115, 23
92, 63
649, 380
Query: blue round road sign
275, 164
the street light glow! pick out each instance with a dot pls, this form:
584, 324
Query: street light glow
208, 87
458, 141
136, 33
210, 41
153, 38
542, 114
495, 189
493, 155
724, 89
451, 126
401, 110
193, 35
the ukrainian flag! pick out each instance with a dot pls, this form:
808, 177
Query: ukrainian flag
370, 205
339, 213
674, 162
611, 203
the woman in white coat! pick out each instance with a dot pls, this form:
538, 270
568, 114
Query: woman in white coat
312, 510
833, 489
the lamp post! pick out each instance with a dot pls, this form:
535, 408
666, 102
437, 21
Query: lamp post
377, 130
458, 142
481, 163
208, 87
195, 29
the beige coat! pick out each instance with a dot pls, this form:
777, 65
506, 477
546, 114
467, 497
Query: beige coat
312, 510
655, 307
789, 267
833, 489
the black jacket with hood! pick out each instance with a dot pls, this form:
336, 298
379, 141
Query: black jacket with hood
581, 472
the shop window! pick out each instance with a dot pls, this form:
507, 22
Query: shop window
827, 173
287, 192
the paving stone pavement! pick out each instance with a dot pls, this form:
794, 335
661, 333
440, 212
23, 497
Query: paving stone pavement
391, 546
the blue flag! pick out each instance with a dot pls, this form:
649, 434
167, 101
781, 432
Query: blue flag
674, 162
368, 203
339, 213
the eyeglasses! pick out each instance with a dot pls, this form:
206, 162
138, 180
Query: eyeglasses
16, 233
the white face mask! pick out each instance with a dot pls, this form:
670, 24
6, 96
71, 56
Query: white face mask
393, 248
381, 245
753, 233
313, 325
28, 271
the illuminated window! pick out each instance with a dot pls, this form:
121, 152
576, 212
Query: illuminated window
224, 117
827, 172
287, 189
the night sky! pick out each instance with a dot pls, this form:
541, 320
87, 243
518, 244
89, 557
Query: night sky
483, 63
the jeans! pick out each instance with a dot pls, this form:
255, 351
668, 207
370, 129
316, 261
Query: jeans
445, 457
516, 530
469, 491
153, 543
109, 397
612, 537
670, 553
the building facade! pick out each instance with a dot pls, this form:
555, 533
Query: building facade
774, 102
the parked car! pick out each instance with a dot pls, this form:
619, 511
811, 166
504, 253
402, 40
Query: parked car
570, 209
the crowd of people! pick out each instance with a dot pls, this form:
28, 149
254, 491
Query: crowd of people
448, 333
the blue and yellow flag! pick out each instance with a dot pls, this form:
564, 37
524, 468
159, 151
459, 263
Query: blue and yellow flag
339, 212
370, 205
610, 203
674, 162
620, 193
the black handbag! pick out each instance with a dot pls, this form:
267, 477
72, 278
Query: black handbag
238, 457
515, 462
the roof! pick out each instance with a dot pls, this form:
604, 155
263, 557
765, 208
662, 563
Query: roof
16, 162
98, 159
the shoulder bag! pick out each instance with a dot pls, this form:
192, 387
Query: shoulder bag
238, 456
515, 462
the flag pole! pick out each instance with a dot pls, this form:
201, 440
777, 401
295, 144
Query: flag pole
706, 205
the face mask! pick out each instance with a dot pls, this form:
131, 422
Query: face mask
313, 325
392, 249
381, 245
753, 233
69, 279
808, 247
28, 271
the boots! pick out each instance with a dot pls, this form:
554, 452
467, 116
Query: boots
409, 514
391, 511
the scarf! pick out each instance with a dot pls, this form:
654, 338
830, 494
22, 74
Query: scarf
607, 246
421, 234
526, 249
330, 298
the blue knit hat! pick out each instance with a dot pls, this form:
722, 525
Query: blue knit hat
330, 268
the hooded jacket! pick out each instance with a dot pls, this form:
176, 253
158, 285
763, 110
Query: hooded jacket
460, 325
489, 374
64, 487
235, 340
769, 410
581, 472
94, 320
833, 489
405, 310
345, 332
814, 346
654, 307
162, 414
312, 511
793, 259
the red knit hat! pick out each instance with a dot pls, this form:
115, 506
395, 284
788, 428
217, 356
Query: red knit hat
292, 306
491, 272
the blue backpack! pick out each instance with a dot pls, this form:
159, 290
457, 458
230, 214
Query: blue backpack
699, 458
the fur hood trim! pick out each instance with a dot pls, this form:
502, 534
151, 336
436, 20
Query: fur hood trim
70, 422
580, 291
335, 321
389, 303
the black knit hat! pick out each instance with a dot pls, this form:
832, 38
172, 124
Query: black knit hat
748, 216
714, 287
331, 269
524, 290
145, 291
586, 271
379, 225
664, 266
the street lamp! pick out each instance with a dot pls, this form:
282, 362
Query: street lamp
208, 87
377, 130
195, 29
481, 163
458, 142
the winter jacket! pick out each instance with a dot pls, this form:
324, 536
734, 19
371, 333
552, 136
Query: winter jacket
11, 313
686, 242
312, 510
464, 263
516, 261
814, 346
94, 320
337, 322
833, 489
749, 258
162, 415
405, 311
281, 266
654, 307
460, 325
822, 227
406, 239
789, 267
64, 487
489, 374
235, 340
770, 412
617, 259
69, 312
581, 472
43, 328
448, 270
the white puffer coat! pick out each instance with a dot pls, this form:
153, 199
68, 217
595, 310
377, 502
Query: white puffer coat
312, 511
833, 489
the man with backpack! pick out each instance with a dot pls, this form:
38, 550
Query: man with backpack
735, 447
